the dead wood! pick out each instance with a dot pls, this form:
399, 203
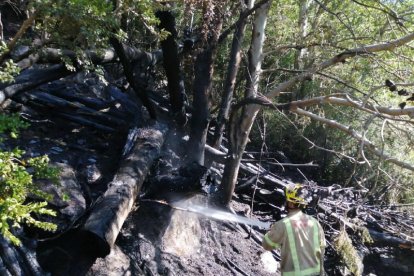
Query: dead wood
58, 105
31, 79
53, 55
389, 240
171, 65
341, 206
10, 257
184, 181
132, 77
18, 260
3, 269
111, 210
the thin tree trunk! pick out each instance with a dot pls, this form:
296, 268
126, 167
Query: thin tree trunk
232, 70
303, 23
240, 126
1, 29
204, 69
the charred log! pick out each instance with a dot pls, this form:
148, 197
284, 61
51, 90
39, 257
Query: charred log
110, 212
18, 260
31, 79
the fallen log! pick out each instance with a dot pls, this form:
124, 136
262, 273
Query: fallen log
31, 79
10, 258
387, 239
18, 260
3, 269
70, 116
61, 105
107, 106
111, 210
52, 55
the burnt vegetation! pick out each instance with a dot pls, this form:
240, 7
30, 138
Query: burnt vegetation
152, 108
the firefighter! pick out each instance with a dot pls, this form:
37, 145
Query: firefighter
299, 236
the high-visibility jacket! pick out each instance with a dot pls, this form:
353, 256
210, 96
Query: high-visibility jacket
302, 244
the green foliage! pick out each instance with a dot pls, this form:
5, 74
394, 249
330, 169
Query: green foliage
9, 69
83, 23
16, 183
11, 124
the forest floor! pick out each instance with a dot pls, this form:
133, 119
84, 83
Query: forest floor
155, 239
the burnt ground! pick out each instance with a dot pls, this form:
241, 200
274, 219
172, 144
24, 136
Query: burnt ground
155, 239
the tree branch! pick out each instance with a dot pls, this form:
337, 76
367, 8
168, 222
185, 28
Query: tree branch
351, 132
23, 28
284, 86
247, 13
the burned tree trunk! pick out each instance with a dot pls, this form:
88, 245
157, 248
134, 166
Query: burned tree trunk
131, 78
203, 76
232, 70
200, 118
110, 212
171, 65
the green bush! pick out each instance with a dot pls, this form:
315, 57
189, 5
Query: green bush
17, 175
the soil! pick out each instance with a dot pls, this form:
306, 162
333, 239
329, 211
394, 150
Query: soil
157, 239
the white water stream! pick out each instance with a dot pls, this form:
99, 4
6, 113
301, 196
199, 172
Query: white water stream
219, 214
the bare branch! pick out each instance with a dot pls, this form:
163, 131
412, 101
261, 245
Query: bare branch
369, 49
333, 99
23, 28
351, 132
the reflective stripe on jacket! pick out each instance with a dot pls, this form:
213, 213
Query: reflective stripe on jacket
301, 241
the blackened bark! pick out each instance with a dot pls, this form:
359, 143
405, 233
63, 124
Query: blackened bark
129, 74
110, 212
171, 65
203, 76
232, 69
31, 79
203, 72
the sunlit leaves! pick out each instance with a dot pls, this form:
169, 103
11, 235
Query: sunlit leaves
16, 182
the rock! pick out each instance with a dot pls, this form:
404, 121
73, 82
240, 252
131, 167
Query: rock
93, 173
67, 196
182, 235
270, 265
116, 263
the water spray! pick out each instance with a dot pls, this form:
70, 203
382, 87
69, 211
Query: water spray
218, 214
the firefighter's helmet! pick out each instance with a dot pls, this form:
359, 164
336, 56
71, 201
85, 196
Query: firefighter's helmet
297, 194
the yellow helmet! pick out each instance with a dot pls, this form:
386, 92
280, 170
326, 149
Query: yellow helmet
295, 193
